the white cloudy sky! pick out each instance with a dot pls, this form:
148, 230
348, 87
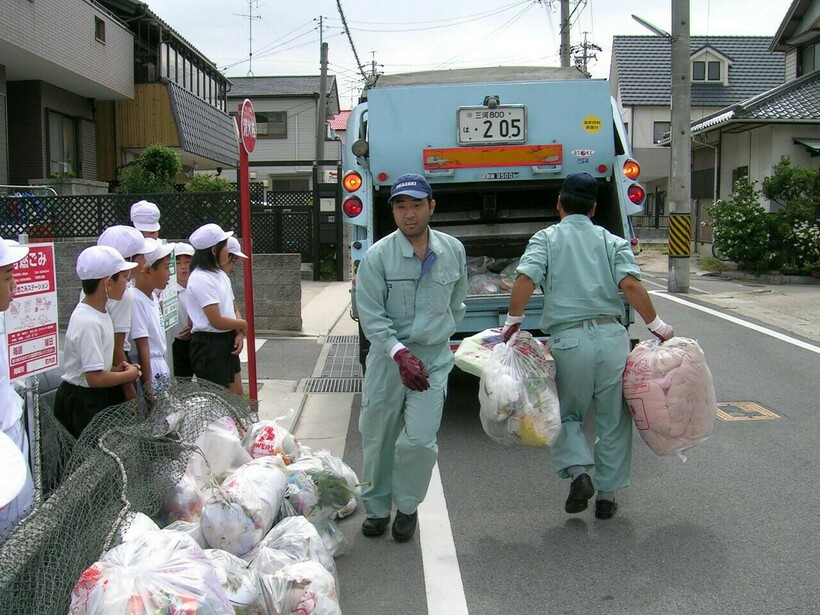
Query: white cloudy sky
409, 35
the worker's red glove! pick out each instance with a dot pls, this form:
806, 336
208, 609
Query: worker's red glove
412, 371
511, 325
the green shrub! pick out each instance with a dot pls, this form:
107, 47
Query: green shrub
743, 230
207, 182
796, 190
154, 171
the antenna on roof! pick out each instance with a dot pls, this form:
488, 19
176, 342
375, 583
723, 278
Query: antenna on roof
250, 17
654, 29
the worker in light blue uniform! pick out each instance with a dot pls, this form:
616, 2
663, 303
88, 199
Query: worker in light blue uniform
410, 290
582, 267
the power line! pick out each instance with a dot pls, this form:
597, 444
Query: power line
404, 28
350, 38
415, 23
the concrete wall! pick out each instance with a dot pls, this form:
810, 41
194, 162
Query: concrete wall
277, 287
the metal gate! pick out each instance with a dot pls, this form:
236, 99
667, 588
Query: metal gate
284, 225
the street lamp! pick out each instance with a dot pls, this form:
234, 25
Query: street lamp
680, 226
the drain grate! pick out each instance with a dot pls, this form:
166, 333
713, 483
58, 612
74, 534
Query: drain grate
744, 411
333, 385
342, 339
342, 362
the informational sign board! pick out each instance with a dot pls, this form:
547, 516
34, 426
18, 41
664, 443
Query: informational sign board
169, 299
31, 320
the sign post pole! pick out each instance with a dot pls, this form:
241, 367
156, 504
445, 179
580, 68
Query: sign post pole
247, 132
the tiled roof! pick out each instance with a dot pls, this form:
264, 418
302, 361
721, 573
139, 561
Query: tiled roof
797, 101
203, 129
643, 65
279, 86
339, 121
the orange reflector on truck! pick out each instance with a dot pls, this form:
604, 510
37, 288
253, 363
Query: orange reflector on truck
498, 156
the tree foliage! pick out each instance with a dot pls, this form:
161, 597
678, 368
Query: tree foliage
154, 171
796, 190
207, 182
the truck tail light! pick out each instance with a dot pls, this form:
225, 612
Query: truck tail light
352, 181
632, 169
352, 206
636, 194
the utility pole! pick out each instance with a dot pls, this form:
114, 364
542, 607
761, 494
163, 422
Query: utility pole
321, 122
680, 230
584, 53
565, 39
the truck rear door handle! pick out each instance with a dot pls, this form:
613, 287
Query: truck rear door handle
553, 168
439, 172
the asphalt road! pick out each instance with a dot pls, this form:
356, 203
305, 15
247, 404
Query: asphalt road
732, 530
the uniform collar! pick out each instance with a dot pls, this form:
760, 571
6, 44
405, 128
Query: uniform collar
577, 220
433, 243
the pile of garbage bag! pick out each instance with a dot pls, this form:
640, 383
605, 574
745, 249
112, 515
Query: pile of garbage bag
249, 529
490, 276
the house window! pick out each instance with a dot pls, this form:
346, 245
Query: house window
62, 144
99, 29
706, 71
739, 173
272, 125
659, 129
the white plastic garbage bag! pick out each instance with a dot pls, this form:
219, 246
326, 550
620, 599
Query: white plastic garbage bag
221, 452
242, 510
305, 588
292, 540
240, 582
671, 394
517, 394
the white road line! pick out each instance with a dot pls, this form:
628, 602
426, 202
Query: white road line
738, 321
442, 576
243, 356
649, 275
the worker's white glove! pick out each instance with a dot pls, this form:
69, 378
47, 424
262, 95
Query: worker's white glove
511, 325
661, 330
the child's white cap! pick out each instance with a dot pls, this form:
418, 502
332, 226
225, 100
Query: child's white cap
208, 235
99, 262
163, 250
145, 216
183, 248
126, 240
234, 248
10, 254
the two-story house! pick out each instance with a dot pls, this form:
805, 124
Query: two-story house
724, 69
286, 129
85, 86
749, 136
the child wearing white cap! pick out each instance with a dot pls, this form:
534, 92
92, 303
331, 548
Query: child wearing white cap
11, 404
130, 243
181, 346
145, 218
234, 253
217, 334
147, 329
90, 381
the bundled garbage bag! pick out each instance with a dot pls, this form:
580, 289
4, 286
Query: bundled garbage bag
292, 540
193, 529
322, 486
670, 393
221, 450
517, 393
474, 351
183, 503
157, 572
242, 510
304, 588
270, 438
135, 525
240, 582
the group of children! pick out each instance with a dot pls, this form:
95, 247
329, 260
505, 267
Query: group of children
115, 345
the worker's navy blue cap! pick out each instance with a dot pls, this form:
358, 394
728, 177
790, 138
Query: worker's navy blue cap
411, 184
580, 185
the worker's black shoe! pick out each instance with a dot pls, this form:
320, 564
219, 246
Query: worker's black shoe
405, 526
375, 526
604, 509
580, 491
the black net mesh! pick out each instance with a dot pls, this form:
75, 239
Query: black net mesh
122, 463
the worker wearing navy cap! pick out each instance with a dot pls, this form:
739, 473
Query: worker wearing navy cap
410, 291
582, 267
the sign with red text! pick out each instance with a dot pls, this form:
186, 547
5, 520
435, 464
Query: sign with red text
31, 320
247, 126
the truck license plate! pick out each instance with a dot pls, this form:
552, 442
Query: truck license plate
482, 125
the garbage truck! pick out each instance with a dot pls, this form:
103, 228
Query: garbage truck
495, 145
